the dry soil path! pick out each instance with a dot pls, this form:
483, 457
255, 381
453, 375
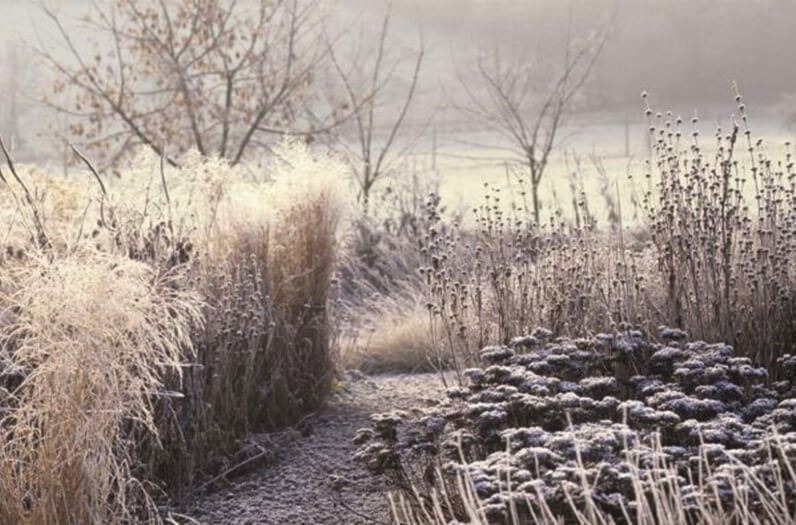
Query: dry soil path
298, 488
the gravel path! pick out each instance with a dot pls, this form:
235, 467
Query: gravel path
297, 487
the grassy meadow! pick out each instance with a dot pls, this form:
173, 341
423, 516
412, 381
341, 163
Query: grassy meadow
596, 151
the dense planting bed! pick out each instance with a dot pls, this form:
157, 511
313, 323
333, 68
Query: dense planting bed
596, 422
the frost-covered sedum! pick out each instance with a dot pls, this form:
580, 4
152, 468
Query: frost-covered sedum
614, 426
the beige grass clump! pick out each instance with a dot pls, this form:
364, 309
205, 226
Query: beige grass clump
87, 339
264, 263
391, 337
301, 265
259, 247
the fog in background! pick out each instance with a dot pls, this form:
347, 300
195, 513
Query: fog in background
685, 53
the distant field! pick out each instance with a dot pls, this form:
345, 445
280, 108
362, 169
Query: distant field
467, 157
465, 160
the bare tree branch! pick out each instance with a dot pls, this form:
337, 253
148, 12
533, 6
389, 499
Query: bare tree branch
214, 76
366, 91
530, 118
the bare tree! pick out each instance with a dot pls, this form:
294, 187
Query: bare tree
371, 144
220, 76
527, 103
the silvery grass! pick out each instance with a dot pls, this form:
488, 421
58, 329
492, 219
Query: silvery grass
168, 314
89, 337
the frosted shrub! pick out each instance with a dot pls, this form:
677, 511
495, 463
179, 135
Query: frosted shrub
613, 426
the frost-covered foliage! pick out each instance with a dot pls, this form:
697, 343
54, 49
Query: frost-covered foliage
596, 423
713, 253
264, 253
149, 322
88, 341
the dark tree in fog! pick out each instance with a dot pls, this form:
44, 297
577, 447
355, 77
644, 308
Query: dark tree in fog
370, 140
527, 103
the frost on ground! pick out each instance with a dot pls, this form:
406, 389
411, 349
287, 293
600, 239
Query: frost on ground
544, 419
313, 480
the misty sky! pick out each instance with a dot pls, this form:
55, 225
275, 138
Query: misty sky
682, 50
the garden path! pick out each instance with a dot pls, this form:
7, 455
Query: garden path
313, 479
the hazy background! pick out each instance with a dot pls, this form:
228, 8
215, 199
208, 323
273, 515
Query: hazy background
685, 53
